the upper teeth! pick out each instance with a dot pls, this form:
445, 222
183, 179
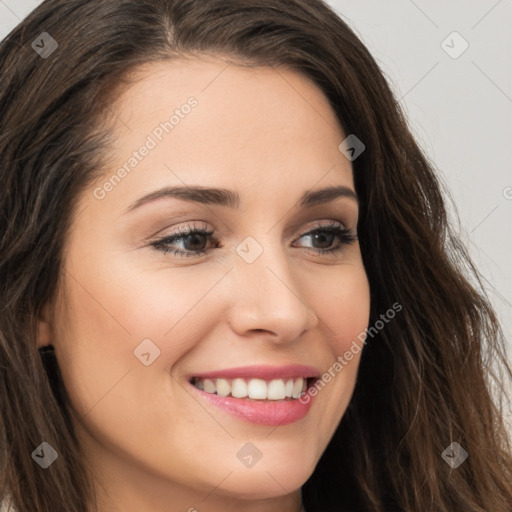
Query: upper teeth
257, 389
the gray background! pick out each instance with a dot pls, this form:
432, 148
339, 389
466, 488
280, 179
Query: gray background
460, 109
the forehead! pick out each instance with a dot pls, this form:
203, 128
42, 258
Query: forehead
209, 121
222, 85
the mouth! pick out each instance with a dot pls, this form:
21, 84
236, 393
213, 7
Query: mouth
284, 389
262, 395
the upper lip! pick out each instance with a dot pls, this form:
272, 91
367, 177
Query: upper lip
261, 372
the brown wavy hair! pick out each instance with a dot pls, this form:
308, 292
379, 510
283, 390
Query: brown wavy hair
434, 375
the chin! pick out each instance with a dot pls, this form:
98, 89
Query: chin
264, 481
262, 485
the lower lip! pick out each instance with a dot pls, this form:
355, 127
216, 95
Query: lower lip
260, 412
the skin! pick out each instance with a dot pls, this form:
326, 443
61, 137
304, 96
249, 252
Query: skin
270, 136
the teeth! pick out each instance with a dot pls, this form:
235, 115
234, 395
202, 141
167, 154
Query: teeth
239, 388
256, 389
209, 386
223, 387
276, 390
288, 389
297, 388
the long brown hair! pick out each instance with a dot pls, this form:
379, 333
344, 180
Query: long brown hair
434, 375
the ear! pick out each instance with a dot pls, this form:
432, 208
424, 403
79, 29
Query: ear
44, 336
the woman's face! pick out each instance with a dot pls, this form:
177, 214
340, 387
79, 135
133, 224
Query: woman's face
246, 308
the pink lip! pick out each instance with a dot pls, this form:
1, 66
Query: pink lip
262, 372
260, 412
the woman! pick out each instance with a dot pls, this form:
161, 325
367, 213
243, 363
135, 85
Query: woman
322, 349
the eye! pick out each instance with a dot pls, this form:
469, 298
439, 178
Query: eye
325, 234
190, 236
195, 240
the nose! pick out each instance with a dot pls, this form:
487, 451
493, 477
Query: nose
266, 298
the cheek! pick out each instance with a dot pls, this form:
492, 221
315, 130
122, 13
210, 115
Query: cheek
111, 310
132, 304
343, 306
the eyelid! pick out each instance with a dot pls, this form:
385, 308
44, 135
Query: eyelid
346, 235
203, 226
185, 229
323, 225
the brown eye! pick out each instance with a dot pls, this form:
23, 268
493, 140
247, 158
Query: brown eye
324, 236
194, 242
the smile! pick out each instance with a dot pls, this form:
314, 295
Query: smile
255, 389
262, 395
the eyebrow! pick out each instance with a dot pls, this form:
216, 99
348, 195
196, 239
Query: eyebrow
230, 199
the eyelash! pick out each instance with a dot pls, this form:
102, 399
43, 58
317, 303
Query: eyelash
344, 234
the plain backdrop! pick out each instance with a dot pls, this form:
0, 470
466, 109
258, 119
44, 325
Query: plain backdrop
450, 64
